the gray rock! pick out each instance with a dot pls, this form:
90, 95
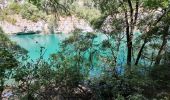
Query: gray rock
65, 25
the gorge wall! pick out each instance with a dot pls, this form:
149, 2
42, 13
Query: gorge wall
64, 25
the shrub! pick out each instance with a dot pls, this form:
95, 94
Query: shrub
137, 97
97, 23
4, 16
84, 12
161, 75
14, 8
26, 10
31, 12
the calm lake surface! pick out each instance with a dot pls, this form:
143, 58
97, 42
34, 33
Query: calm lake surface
33, 44
51, 43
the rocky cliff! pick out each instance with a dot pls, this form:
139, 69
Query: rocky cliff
64, 25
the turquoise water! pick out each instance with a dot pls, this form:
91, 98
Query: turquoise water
51, 44
33, 44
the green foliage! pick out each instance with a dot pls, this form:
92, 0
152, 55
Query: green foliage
136, 86
26, 10
137, 97
152, 4
5, 16
14, 8
108, 6
11, 9
84, 12
67, 71
97, 23
160, 74
36, 2
57, 74
31, 12
51, 6
7, 60
62, 75
69, 76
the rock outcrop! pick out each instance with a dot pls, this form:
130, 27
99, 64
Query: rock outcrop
65, 25
70, 23
148, 17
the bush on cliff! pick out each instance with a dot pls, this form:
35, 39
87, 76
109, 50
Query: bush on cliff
31, 12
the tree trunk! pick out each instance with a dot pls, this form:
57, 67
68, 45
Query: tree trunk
129, 34
137, 11
128, 41
140, 52
158, 57
2, 71
149, 33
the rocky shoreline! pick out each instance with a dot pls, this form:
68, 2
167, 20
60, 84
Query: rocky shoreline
64, 25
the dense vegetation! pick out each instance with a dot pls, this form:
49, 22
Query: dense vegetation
142, 25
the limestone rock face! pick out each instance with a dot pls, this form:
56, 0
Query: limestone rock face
22, 25
109, 24
70, 23
65, 25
